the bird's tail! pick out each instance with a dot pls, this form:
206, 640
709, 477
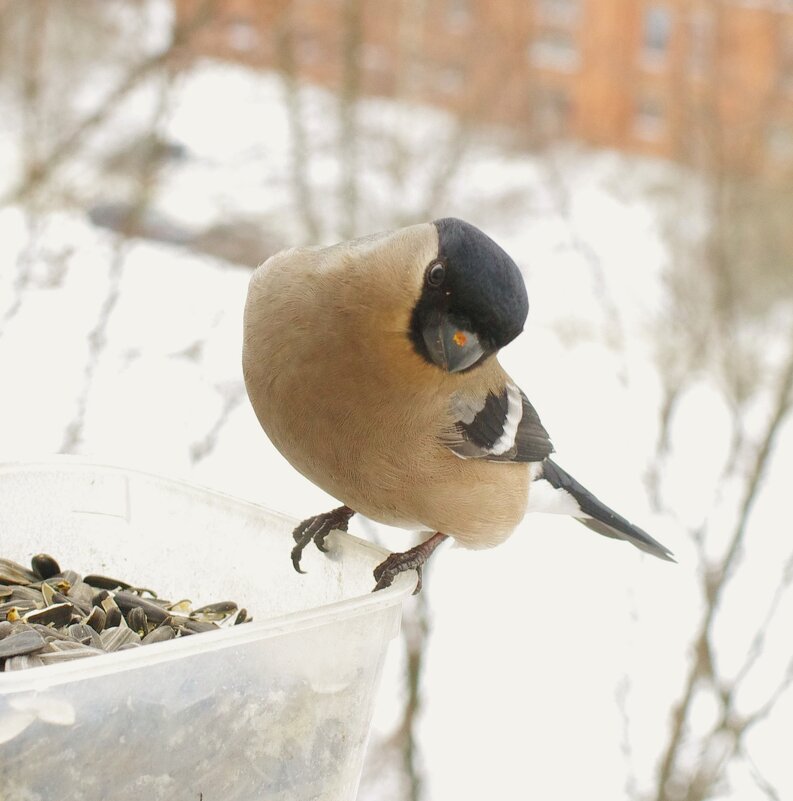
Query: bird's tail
554, 490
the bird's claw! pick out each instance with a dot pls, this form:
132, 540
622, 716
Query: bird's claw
317, 528
397, 563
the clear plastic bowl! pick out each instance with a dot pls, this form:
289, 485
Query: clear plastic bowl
278, 708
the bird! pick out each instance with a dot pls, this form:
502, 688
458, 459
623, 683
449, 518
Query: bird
372, 367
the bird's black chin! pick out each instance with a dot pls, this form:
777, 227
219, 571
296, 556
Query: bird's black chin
450, 346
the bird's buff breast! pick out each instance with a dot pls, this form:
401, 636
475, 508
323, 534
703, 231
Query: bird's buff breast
384, 462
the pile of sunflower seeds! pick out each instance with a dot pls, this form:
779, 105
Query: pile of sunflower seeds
50, 615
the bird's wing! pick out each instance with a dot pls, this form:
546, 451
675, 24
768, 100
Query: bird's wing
499, 426
503, 426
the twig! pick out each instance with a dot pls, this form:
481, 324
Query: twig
348, 116
36, 174
716, 581
299, 158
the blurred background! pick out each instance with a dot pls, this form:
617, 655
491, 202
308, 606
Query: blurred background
635, 158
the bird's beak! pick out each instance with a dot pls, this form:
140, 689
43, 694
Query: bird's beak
451, 347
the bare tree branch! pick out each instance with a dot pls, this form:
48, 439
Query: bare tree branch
348, 113
299, 151
716, 580
39, 171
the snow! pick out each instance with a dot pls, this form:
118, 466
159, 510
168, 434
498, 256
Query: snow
532, 641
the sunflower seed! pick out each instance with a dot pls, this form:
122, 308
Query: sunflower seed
82, 596
22, 662
53, 657
105, 582
13, 573
136, 620
44, 566
113, 638
100, 596
127, 601
199, 626
160, 634
50, 615
49, 633
84, 634
96, 619
23, 642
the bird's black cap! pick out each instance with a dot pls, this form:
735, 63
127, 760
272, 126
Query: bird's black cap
486, 284
482, 289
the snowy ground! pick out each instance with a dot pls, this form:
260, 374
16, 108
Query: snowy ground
531, 642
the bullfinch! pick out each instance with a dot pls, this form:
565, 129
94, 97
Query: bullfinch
372, 367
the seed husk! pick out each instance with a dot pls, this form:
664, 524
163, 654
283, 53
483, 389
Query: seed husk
113, 616
214, 612
59, 614
71, 576
48, 593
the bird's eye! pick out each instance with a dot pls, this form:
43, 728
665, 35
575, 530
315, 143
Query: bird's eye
436, 274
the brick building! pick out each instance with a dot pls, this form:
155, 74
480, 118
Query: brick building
705, 81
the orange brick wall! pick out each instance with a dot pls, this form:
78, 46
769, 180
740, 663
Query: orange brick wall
545, 68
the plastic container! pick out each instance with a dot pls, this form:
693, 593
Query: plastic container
278, 708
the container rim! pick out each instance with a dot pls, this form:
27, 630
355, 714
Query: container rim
46, 676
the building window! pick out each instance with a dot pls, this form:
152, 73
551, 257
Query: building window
458, 14
700, 42
779, 141
786, 61
552, 112
555, 50
309, 48
558, 12
242, 35
656, 34
375, 57
450, 80
649, 122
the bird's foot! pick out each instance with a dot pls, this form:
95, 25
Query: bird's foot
317, 528
414, 559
